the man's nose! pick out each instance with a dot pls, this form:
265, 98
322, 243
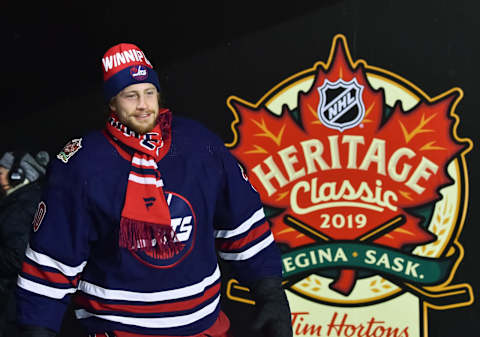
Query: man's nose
142, 103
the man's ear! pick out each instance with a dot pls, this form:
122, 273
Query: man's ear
112, 105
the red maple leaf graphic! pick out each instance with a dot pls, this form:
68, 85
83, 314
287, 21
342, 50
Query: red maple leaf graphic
347, 182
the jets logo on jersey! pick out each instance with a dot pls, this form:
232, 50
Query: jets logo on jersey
341, 104
183, 222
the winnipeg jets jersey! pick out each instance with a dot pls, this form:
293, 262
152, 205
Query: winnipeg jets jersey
74, 254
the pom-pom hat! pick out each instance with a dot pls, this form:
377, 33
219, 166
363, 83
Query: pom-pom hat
125, 64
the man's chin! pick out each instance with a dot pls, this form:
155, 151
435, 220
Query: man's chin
142, 128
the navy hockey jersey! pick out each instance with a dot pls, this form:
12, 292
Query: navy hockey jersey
74, 250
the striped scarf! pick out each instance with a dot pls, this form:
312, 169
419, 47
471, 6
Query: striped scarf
145, 221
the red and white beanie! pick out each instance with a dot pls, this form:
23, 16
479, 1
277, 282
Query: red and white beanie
125, 64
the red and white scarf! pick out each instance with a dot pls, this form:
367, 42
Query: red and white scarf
145, 222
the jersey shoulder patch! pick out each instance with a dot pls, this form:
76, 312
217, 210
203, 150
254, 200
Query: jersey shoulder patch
70, 149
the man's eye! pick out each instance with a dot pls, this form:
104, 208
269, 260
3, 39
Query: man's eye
150, 93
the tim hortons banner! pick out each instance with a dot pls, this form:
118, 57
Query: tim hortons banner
364, 182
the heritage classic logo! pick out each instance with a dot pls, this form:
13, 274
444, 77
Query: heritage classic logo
363, 178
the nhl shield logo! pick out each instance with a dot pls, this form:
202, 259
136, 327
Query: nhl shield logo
341, 106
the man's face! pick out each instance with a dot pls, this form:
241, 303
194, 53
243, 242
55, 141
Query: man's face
4, 184
137, 107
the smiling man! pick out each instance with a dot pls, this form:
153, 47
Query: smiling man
137, 106
135, 216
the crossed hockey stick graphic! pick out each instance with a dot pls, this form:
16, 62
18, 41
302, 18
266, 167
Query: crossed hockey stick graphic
456, 295
345, 280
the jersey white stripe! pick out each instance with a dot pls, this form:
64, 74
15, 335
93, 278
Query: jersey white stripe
159, 322
250, 252
143, 162
44, 290
47, 261
165, 295
145, 180
244, 227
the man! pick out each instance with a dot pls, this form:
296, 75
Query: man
133, 216
20, 191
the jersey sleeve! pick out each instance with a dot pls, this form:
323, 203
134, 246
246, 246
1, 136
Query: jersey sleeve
242, 233
57, 251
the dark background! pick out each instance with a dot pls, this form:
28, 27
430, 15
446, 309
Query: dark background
205, 52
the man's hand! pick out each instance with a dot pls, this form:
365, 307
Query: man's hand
272, 317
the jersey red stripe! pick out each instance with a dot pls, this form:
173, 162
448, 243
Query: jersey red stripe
90, 304
45, 275
226, 244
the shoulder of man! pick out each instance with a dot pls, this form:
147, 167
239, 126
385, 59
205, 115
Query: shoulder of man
80, 154
195, 134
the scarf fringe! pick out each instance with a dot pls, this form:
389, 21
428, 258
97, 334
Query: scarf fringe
138, 235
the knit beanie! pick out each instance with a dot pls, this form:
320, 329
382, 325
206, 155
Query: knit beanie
125, 64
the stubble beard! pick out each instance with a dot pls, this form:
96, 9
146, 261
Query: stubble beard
141, 128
